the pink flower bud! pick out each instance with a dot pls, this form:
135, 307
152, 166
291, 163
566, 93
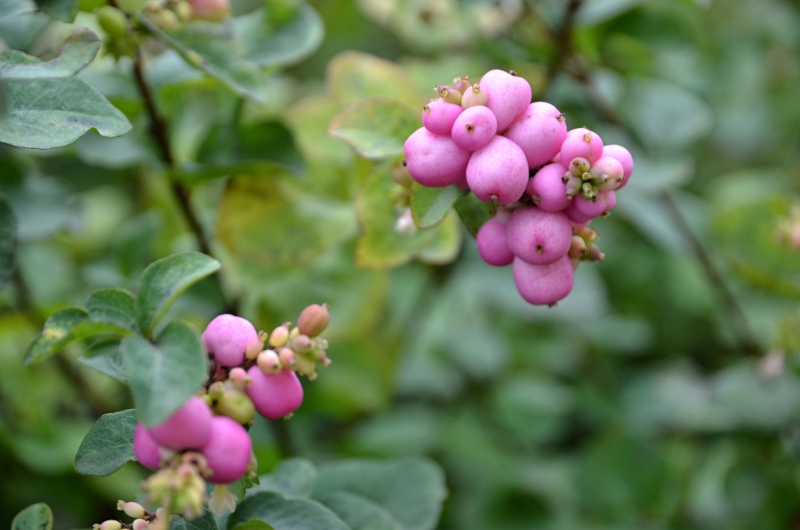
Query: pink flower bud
268, 361
279, 336
210, 9
313, 320
131, 509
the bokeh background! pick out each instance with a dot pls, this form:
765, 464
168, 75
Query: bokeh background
661, 394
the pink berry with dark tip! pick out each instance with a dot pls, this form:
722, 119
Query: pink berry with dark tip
474, 128
606, 200
498, 172
145, 449
227, 337
548, 189
274, 395
227, 451
624, 157
492, 243
539, 131
538, 236
434, 161
582, 143
439, 115
608, 172
507, 96
187, 428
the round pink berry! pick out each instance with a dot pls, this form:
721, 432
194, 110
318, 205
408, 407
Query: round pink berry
227, 337
538, 236
187, 428
227, 450
624, 157
507, 96
544, 284
439, 115
548, 189
498, 172
145, 449
474, 128
434, 161
275, 395
581, 143
539, 131
492, 243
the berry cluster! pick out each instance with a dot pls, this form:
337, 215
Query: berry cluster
205, 440
547, 182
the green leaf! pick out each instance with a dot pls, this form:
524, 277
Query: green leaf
108, 445
10, 8
78, 51
106, 359
410, 489
59, 330
214, 49
473, 212
271, 220
285, 513
112, 306
61, 9
292, 41
358, 512
53, 112
34, 517
293, 476
204, 522
380, 245
430, 205
254, 524
375, 127
353, 76
446, 245
8, 241
165, 374
166, 279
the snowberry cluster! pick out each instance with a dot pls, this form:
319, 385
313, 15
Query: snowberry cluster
205, 440
547, 182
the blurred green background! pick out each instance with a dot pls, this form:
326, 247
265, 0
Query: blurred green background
663, 393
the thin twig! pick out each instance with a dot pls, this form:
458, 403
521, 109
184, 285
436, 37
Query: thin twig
562, 36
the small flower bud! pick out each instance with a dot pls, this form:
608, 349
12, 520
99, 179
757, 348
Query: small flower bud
108, 525
287, 357
577, 247
236, 405
210, 9
405, 223
131, 509
238, 377
216, 390
313, 320
268, 361
578, 166
461, 83
448, 94
139, 524
253, 348
279, 336
474, 96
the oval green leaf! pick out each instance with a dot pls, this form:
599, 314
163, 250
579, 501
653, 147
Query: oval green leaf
375, 127
112, 306
78, 51
34, 517
166, 279
359, 513
293, 476
164, 374
285, 513
430, 205
108, 445
292, 41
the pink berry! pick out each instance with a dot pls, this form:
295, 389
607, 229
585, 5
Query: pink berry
474, 128
539, 131
581, 143
274, 395
507, 96
187, 428
313, 320
227, 450
608, 171
624, 157
537, 236
498, 172
548, 189
606, 200
145, 449
438, 116
434, 161
575, 215
227, 337
492, 243
544, 284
